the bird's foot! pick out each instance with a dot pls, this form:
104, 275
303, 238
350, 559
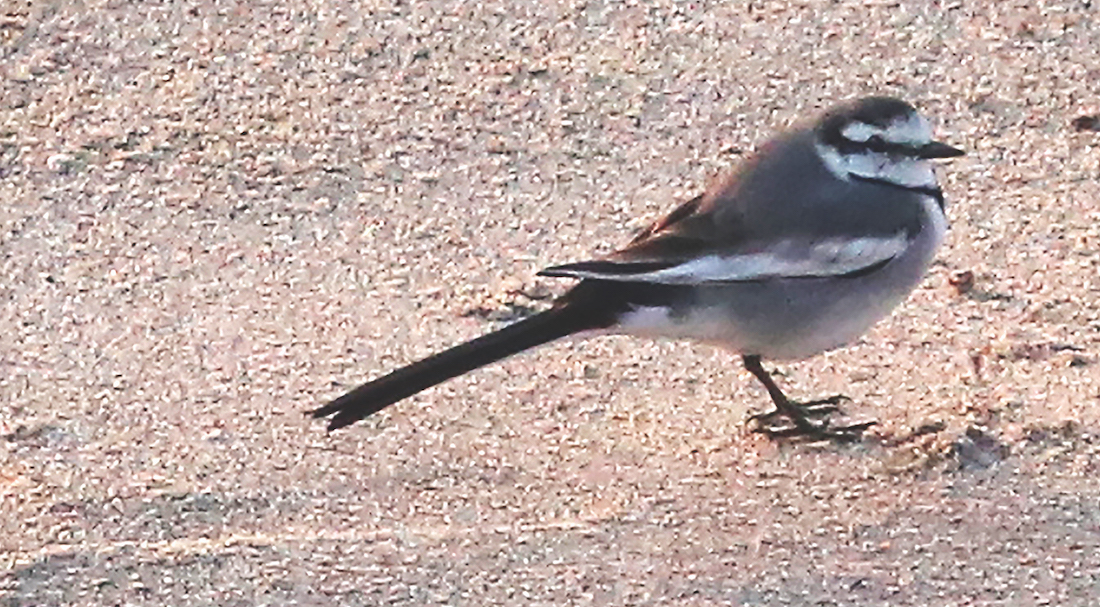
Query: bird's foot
816, 431
800, 420
812, 409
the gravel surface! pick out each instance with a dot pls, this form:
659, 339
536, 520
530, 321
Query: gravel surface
217, 215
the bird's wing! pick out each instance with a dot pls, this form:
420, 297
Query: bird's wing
788, 258
694, 245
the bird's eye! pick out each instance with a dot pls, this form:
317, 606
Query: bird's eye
877, 144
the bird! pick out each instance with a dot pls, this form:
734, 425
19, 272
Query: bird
799, 250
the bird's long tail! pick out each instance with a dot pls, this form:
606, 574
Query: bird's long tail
539, 329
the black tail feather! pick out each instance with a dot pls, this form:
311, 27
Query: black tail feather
406, 381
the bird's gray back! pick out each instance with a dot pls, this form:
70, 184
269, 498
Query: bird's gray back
787, 191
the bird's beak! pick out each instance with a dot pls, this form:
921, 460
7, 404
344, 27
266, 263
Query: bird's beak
939, 150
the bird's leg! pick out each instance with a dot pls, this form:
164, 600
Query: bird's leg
800, 414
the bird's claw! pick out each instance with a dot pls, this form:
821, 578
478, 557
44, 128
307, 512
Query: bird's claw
819, 431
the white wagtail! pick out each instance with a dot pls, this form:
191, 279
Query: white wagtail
805, 247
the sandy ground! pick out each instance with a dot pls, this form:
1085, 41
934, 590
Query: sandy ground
218, 215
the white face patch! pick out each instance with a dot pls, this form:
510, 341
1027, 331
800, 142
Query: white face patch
905, 172
911, 130
860, 131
